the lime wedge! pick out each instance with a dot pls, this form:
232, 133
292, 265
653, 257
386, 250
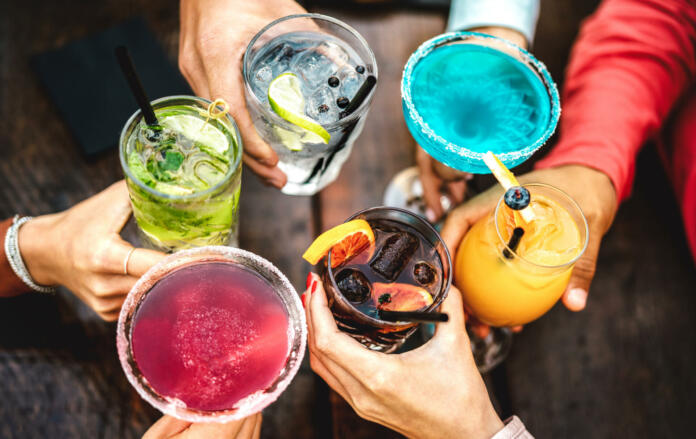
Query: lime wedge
285, 97
197, 130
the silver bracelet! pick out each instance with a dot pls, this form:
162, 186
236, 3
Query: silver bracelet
14, 257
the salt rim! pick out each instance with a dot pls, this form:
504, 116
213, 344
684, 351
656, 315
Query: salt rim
508, 157
250, 404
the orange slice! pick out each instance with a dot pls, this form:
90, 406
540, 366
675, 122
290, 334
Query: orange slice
345, 241
400, 297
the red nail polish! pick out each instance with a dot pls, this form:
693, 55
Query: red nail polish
314, 286
309, 278
303, 297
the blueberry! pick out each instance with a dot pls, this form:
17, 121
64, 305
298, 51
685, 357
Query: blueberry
360, 69
517, 198
323, 108
424, 273
354, 285
334, 81
342, 102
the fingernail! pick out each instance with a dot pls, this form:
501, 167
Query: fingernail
303, 297
430, 214
309, 279
468, 177
314, 286
577, 299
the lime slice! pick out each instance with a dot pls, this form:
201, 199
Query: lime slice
197, 130
285, 97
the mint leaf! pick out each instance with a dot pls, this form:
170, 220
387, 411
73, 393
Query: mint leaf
172, 161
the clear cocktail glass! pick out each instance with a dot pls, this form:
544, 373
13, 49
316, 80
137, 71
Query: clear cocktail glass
198, 338
184, 181
331, 61
506, 287
361, 319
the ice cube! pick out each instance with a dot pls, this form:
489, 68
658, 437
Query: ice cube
354, 285
279, 59
313, 67
334, 52
350, 81
321, 107
394, 255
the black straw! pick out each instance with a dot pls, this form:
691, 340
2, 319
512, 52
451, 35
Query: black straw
360, 96
514, 242
413, 316
128, 69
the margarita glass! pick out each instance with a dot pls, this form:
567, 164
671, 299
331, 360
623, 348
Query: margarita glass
466, 93
503, 286
328, 62
211, 334
406, 249
184, 180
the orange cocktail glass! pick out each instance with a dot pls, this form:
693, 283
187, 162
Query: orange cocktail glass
504, 287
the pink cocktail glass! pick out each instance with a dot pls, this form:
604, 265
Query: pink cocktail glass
211, 334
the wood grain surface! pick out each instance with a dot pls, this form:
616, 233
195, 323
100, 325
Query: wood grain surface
621, 368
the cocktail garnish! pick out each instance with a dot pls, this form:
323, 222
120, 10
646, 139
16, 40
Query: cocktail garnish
213, 112
400, 297
506, 179
517, 234
344, 241
394, 255
354, 285
517, 197
424, 273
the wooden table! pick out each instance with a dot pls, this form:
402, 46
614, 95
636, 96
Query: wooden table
622, 368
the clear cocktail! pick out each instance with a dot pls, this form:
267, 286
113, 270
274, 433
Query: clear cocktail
183, 176
301, 75
211, 334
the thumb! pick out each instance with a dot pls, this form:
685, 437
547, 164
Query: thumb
575, 295
454, 308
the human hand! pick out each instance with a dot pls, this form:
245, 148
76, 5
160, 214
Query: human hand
591, 189
171, 428
214, 36
434, 391
81, 249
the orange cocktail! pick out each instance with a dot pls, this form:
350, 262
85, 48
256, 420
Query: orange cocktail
504, 286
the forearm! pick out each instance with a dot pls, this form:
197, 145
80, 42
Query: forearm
631, 62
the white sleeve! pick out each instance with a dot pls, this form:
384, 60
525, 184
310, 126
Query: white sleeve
520, 15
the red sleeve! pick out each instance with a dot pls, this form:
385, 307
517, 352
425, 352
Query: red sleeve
10, 284
632, 60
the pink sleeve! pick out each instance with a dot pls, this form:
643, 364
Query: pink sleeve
632, 60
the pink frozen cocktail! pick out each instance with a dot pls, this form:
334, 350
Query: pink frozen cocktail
210, 337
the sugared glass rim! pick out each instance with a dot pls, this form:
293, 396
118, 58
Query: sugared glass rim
122, 145
254, 402
508, 157
446, 284
531, 186
246, 64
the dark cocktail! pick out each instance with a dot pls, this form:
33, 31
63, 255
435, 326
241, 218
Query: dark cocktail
401, 265
211, 334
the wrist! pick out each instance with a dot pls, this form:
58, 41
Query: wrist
36, 249
506, 33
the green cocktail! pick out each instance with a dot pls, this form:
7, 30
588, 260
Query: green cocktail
184, 175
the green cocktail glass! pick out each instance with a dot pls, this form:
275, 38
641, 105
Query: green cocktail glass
183, 176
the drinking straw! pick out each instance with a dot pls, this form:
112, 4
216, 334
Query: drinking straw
413, 316
359, 97
128, 69
514, 242
506, 179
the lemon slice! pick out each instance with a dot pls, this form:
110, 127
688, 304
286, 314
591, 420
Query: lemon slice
198, 130
285, 98
346, 240
506, 179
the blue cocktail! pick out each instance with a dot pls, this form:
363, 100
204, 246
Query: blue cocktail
466, 93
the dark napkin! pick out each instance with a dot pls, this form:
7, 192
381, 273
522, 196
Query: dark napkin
84, 81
